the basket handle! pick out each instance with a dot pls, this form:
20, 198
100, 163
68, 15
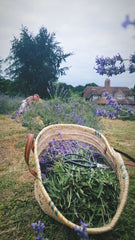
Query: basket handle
28, 147
132, 163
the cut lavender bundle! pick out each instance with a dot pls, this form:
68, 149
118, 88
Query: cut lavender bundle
79, 180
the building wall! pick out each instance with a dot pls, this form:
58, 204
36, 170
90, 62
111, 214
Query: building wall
119, 95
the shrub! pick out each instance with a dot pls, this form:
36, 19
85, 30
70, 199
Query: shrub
57, 110
9, 104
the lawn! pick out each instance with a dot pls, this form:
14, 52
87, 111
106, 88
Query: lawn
18, 207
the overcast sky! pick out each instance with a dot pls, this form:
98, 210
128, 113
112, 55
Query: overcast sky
85, 27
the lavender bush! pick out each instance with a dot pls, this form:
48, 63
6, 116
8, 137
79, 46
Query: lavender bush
113, 110
57, 110
9, 104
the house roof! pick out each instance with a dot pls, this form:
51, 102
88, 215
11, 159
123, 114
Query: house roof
90, 91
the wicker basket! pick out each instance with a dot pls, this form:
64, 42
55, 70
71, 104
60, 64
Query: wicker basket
86, 135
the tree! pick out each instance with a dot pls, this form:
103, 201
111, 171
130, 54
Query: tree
3, 84
1, 67
133, 89
34, 61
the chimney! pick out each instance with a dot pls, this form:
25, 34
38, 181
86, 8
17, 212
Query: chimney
107, 83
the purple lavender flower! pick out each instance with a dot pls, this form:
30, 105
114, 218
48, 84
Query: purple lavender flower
60, 134
130, 112
42, 106
82, 122
126, 22
82, 231
131, 68
38, 228
132, 63
119, 58
16, 112
98, 112
107, 65
132, 58
43, 175
48, 90
14, 118
26, 123
122, 68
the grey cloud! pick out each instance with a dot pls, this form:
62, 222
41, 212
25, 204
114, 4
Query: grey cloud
86, 27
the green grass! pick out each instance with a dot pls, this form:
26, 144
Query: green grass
18, 207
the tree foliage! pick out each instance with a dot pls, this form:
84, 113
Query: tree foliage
133, 89
1, 68
76, 90
34, 61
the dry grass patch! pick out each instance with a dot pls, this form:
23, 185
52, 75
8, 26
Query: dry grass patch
12, 145
120, 134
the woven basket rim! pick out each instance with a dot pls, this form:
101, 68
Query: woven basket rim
123, 184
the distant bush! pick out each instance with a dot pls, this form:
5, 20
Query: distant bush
127, 112
9, 104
